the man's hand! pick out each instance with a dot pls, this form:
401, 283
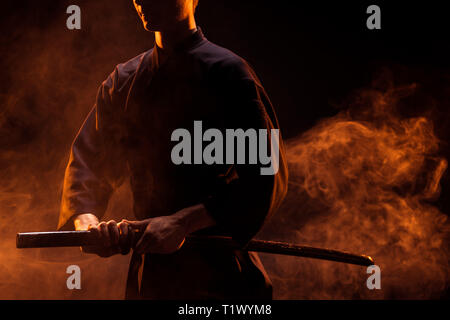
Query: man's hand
161, 235
166, 234
113, 237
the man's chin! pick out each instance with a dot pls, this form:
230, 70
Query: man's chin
150, 27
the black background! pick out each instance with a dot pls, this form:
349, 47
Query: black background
310, 56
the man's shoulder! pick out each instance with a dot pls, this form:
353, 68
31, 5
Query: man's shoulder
223, 61
125, 71
129, 67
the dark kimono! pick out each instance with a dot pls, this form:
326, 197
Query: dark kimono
129, 132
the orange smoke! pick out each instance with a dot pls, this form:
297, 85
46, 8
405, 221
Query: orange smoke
51, 76
363, 182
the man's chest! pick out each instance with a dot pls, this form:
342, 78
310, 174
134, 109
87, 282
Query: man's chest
175, 100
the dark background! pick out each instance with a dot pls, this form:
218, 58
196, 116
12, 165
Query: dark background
309, 55
311, 58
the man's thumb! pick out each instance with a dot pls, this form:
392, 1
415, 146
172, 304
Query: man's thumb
136, 224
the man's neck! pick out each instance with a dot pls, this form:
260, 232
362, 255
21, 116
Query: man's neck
171, 37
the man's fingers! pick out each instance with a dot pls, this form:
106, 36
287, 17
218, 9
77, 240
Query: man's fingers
125, 235
119, 237
104, 234
94, 230
113, 232
137, 224
123, 229
108, 235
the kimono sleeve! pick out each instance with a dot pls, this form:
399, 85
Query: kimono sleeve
96, 164
244, 198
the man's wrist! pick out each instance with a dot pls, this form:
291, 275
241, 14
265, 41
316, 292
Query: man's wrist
194, 218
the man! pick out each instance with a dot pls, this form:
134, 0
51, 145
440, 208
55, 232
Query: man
184, 78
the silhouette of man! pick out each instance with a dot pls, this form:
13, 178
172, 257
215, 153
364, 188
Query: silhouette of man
183, 78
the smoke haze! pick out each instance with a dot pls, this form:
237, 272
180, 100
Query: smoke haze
365, 180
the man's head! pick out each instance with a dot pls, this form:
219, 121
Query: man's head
157, 15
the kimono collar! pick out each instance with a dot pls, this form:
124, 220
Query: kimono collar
190, 42
148, 65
